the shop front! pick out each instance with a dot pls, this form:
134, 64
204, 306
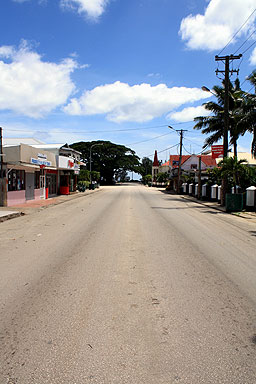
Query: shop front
68, 171
26, 174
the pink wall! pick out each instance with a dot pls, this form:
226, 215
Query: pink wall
37, 194
15, 198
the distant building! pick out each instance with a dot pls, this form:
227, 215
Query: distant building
189, 163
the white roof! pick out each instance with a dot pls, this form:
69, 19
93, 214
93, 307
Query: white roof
14, 141
48, 146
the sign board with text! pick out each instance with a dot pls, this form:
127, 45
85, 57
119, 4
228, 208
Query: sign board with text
217, 151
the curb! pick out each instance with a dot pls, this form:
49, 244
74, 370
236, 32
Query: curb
11, 216
244, 215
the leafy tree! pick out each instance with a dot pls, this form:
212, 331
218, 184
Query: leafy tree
146, 167
214, 124
84, 175
107, 158
233, 169
214, 176
95, 176
162, 177
146, 179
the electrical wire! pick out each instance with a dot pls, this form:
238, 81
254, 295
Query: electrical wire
199, 153
245, 42
166, 149
237, 31
193, 142
249, 47
100, 131
152, 138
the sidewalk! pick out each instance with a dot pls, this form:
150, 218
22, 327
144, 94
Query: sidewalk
7, 213
215, 205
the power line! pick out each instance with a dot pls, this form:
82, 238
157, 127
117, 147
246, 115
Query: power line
193, 142
237, 32
166, 149
100, 131
244, 42
249, 47
152, 138
199, 153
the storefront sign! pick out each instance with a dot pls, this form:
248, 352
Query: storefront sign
40, 162
217, 151
68, 163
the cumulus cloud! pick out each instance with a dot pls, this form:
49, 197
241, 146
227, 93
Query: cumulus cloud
217, 25
139, 103
91, 8
253, 57
188, 114
31, 86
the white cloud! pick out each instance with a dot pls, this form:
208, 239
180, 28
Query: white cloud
30, 86
139, 103
253, 57
218, 24
91, 8
188, 114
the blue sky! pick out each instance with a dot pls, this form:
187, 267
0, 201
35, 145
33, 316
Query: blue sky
117, 70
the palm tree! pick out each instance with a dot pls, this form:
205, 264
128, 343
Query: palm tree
249, 110
233, 169
214, 124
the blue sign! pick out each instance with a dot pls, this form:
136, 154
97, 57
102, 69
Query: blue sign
41, 162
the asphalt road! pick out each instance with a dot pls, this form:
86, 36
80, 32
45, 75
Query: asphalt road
128, 285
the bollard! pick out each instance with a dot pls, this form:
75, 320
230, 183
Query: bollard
214, 192
251, 198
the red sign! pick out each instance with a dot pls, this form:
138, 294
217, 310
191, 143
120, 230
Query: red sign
217, 151
70, 164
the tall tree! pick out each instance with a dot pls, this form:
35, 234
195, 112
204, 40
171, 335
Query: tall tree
249, 110
214, 124
107, 158
145, 167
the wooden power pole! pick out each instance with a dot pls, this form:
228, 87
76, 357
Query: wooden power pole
227, 59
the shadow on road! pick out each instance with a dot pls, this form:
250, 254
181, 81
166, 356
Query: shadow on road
174, 208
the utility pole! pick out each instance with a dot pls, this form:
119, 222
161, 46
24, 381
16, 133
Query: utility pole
227, 59
179, 170
199, 194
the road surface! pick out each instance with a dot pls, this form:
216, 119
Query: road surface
128, 286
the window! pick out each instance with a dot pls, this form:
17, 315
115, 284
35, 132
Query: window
16, 180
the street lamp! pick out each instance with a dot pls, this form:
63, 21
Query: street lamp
204, 88
94, 145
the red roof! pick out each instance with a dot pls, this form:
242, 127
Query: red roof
206, 159
177, 158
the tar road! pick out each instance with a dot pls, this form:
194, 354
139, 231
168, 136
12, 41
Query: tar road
128, 285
